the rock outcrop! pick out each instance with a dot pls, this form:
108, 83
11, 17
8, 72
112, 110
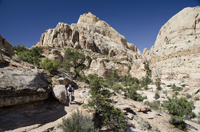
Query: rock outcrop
176, 53
60, 93
20, 84
96, 36
5, 46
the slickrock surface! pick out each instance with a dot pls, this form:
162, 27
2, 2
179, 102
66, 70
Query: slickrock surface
176, 53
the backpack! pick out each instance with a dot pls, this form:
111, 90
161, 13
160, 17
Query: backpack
70, 89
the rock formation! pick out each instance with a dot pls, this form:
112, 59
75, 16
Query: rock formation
176, 53
20, 84
60, 93
92, 34
5, 46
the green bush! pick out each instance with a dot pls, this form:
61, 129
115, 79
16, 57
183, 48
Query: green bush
154, 105
84, 79
49, 65
157, 96
132, 94
31, 55
117, 87
74, 60
103, 107
165, 92
78, 123
188, 96
158, 87
146, 66
176, 88
127, 80
177, 108
109, 81
17, 49
178, 122
196, 98
145, 81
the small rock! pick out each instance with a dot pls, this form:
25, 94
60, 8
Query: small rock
130, 116
144, 109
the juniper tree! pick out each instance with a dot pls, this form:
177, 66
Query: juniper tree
102, 106
74, 60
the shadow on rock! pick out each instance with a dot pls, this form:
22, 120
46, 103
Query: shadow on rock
30, 114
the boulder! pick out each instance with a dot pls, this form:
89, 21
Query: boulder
60, 93
20, 84
144, 109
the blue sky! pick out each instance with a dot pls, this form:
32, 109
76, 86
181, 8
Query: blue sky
23, 21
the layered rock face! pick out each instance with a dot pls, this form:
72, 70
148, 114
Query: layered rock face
91, 33
20, 84
176, 53
5, 46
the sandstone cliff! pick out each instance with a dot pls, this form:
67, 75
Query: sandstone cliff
5, 48
92, 34
176, 53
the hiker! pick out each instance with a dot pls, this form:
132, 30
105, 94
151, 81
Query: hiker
70, 91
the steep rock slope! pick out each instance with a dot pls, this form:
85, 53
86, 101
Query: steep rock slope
91, 33
176, 53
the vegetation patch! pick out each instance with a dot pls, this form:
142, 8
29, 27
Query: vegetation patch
29, 55
177, 108
49, 65
78, 123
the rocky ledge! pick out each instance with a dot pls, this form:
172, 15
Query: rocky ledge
20, 84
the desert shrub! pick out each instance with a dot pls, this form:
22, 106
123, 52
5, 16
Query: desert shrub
176, 88
132, 94
178, 121
84, 79
91, 77
176, 93
127, 80
19, 48
109, 81
74, 60
146, 66
31, 55
117, 87
165, 92
177, 108
154, 105
49, 81
145, 81
104, 109
198, 118
49, 65
78, 123
158, 87
188, 95
196, 98
157, 95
